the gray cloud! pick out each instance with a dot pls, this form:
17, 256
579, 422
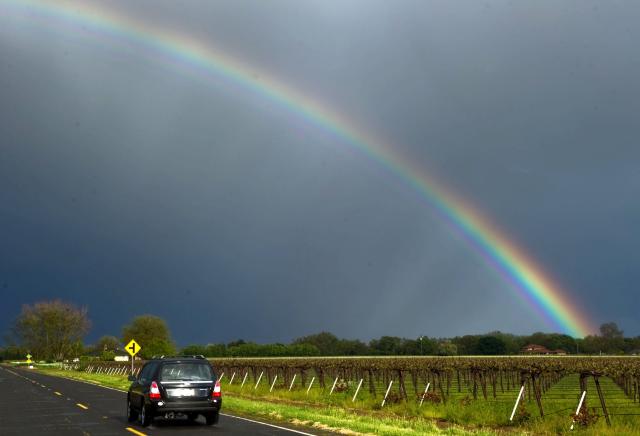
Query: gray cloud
131, 185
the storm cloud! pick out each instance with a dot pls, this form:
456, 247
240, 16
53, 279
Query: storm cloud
132, 184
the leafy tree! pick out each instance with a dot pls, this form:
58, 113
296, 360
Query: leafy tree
107, 356
216, 350
325, 342
513, 344
305, 350
386, 345
347, 347
467, 345
107, 343
12, 352
610, 330
194, 349
447, 348
51, 330
491, 346
426, 346
152, 333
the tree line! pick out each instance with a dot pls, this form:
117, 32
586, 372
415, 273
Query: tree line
609, 341
55, 330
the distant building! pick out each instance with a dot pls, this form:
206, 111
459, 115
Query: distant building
541, 350
534, 349
121, 356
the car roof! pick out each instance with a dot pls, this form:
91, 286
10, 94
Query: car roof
194, 358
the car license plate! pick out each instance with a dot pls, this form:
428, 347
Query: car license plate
182, 393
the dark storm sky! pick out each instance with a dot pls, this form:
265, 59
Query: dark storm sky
130, 185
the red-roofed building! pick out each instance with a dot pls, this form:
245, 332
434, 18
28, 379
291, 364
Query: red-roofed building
535, 349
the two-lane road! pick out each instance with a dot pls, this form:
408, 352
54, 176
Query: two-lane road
33, 403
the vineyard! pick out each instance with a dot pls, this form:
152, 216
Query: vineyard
478, 391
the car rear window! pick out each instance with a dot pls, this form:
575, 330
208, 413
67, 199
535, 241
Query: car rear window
186, 371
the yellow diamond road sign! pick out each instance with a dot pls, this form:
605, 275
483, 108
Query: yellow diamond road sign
133, 348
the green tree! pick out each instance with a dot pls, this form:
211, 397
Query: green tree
347, 347
51, 330
386, 345
610, 330
613, 338
447, 348
325, 342
216, 350
194, 349
491, 346
426, 346
107, 356
107, 343
467, 345
303, 350
152, 334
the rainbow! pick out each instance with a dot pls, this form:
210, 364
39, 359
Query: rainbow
526, 278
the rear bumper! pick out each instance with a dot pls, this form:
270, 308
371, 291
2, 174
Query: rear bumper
161, 407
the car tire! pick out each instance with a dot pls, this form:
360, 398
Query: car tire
212, 418
145, 416
192, 416
132, 414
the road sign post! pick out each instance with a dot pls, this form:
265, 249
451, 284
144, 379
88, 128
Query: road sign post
132, 348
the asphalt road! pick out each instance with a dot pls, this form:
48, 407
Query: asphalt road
33, 403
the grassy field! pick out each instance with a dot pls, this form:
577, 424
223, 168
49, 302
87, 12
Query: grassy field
460, 415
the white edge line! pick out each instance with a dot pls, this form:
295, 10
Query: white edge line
223, 414
270, 425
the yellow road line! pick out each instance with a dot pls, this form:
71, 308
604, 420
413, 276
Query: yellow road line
134, 431
82, 406
57, 393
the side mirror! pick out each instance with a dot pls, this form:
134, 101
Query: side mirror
132, 378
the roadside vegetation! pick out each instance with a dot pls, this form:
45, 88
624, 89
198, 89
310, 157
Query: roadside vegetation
459, 415
298, 383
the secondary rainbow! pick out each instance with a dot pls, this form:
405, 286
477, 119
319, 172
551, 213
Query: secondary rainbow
528, 279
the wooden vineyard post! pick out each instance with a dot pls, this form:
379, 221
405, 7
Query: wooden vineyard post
536, 393
274, 383
444, 398
403, 390
475, 385
483, 383
232, 377
244, 379
372, 386
414, 381
602, 403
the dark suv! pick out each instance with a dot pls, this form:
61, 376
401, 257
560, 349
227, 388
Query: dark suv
174, 386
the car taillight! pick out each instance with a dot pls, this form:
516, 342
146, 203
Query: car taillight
217, 392
154, 393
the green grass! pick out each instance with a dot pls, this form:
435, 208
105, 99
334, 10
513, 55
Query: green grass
326, 418
460, 415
